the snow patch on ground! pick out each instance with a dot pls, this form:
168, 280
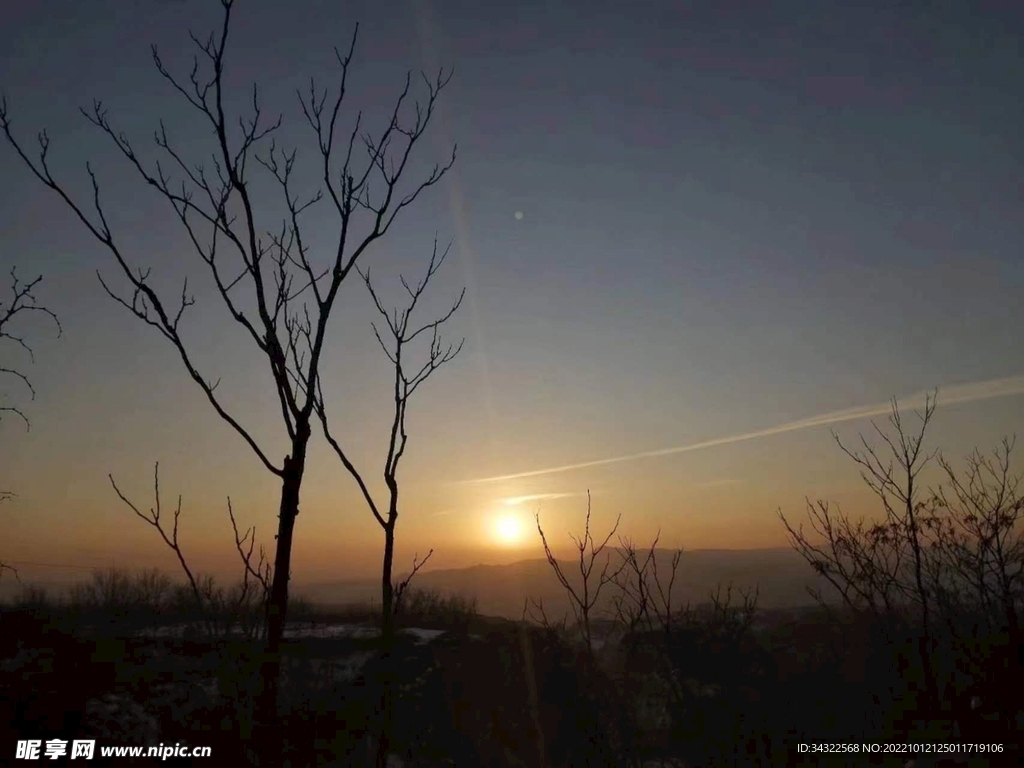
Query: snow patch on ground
300, 631
424, 636
330, 631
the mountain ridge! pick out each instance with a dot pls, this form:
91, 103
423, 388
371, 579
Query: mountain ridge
781, 576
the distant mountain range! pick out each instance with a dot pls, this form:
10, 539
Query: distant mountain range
781, 576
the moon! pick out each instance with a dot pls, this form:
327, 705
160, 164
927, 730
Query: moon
519, 215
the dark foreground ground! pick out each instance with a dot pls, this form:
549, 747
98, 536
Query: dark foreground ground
488, 695
460, 698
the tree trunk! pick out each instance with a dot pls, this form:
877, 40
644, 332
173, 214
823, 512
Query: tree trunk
277, 606
386, 587
387, 644
925, 642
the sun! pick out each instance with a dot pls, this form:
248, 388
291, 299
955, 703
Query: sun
508, 529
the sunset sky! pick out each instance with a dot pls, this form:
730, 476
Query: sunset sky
734, 220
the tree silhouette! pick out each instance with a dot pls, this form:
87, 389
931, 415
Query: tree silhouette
266, 276
584, 595
21, 303
947, 561
881, 566
407, 379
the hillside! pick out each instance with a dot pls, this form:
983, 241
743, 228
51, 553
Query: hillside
781, 576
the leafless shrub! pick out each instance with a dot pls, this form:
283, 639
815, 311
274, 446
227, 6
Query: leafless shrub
644, 597
221, 611
33, 597
433, 608
585, 592
949, 559
119, 591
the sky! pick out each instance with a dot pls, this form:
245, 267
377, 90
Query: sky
692, 239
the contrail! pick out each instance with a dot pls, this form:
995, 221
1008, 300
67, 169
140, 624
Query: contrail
961, 393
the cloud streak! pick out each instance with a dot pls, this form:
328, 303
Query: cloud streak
962, 393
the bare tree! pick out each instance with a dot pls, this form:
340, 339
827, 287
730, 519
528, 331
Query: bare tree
221, 611
289, 298
642, 590
21, 304
894, 481
649, 619
401, 334
7, 496
862, 561
869, 564
673, 656
953, 556
400, 588
632, 604
256, 576
977, 518
583, 597
729, 619
975, 569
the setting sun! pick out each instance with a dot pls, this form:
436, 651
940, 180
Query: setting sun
508, 529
